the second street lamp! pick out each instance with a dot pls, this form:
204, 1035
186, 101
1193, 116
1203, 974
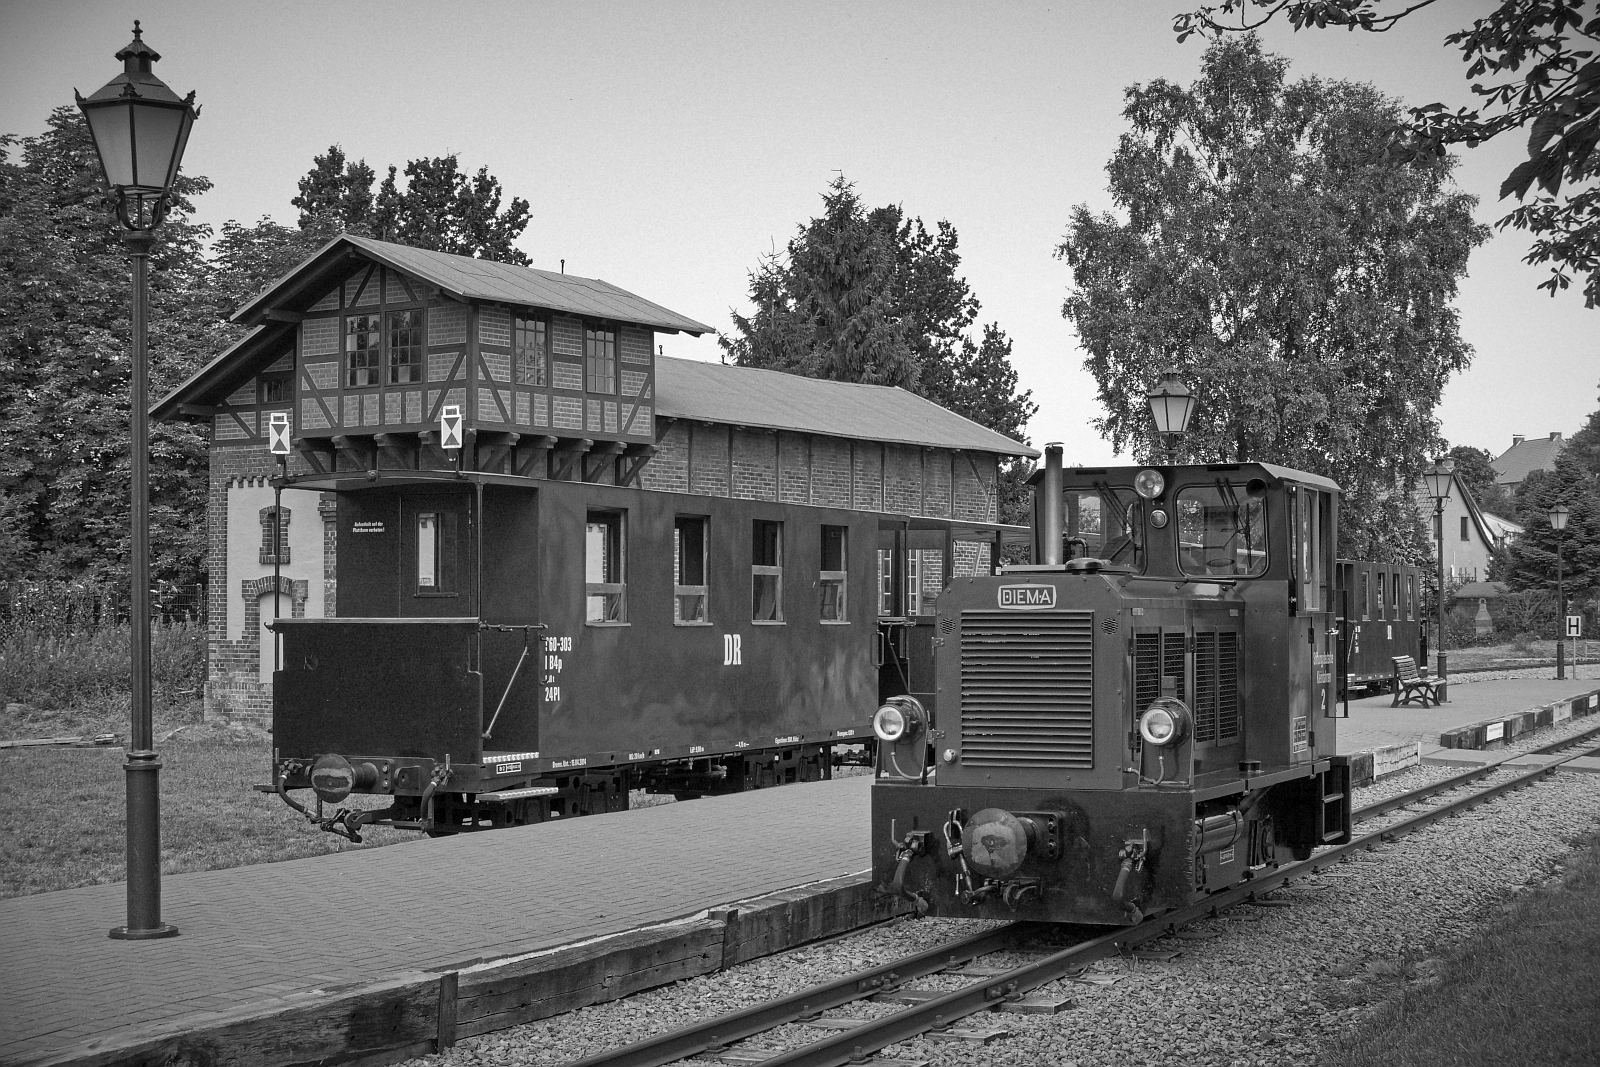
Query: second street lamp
140, 128
1171, 405
1558, 522
1438, 481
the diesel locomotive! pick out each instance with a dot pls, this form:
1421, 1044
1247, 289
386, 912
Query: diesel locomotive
1143, 716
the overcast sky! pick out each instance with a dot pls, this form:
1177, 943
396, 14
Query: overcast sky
666, 146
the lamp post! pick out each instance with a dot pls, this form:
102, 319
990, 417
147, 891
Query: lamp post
1558, 522
1171, 404
1438, 481
140, 128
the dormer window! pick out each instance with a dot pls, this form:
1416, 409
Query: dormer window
530, 338
363, 350
600, 357
405, 346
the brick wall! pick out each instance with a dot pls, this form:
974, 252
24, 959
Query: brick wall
868, 469
755, 465
708, 460
794, 468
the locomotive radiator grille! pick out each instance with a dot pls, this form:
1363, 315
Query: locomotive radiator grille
1027, 689
1172, 659
1146, 669
1205, 687
1216, 686
1227, 685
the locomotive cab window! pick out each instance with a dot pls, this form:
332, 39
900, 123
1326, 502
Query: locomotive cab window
604, 573
438, 538
766, 571
834, 574
1103, 524
1222, 530
689, 570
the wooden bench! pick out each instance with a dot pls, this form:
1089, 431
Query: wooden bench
1409, 686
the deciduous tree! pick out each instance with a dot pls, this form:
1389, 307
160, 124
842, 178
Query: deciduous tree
64, 366
1300, 283
1544, 78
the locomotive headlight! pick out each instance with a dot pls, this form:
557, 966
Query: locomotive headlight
901, 719
1148, 483
1164, 723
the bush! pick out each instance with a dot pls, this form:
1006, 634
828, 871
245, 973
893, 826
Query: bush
1523, 642
89, 668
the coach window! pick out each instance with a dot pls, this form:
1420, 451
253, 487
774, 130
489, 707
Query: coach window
363, 350
766, 571
530, 338
437, 550
405, 346
1383, 587
834, 575
604, 569
600, 358
689, 570
1411, 597
1222, 530
1366, 595
1394, 596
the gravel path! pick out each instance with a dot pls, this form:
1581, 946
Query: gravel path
1574, 670
1351, 938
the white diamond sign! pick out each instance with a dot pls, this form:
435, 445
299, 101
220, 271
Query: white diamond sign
278, 433
450, 427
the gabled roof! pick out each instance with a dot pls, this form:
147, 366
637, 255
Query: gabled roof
1523, 458
1492, 529
237, 364
773, 400
464, 278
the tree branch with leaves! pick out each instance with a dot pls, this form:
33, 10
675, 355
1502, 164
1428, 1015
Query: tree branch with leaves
1544, 78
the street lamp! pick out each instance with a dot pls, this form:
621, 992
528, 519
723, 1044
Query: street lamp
1558, 522
1171, 404
140, 128
1438, 481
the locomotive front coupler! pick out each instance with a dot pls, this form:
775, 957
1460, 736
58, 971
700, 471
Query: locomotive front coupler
914, 844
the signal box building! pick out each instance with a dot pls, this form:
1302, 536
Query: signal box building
367, 345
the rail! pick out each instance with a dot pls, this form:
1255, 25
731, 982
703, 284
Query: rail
938, 1012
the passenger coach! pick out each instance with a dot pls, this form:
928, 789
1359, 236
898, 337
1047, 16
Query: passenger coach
519, 562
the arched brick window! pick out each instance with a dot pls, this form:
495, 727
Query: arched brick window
267, 528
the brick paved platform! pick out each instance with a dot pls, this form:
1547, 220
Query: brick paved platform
255, 939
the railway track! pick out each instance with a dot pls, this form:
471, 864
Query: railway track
941, 1013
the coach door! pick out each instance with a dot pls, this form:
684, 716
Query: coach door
436, 539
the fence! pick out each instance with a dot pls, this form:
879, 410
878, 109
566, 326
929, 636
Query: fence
57, 609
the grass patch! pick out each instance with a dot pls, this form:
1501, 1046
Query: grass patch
1525, 991
65, 814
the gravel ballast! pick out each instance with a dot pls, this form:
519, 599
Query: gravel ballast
1274, 986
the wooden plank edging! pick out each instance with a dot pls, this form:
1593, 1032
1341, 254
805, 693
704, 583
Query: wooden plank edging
418, 1013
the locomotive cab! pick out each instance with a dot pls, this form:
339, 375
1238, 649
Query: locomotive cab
1141, 717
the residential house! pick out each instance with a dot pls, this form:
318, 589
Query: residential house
1524, 457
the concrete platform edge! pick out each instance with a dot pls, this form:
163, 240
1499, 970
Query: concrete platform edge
420, 1012
1495, 732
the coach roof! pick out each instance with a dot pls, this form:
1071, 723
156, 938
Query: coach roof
463, 278
772, 400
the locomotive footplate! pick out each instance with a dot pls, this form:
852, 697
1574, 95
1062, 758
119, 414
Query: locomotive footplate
1111, 856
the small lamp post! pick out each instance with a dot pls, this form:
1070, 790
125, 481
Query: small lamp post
1438, 480
1558, 522
140, 128
1171, 404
